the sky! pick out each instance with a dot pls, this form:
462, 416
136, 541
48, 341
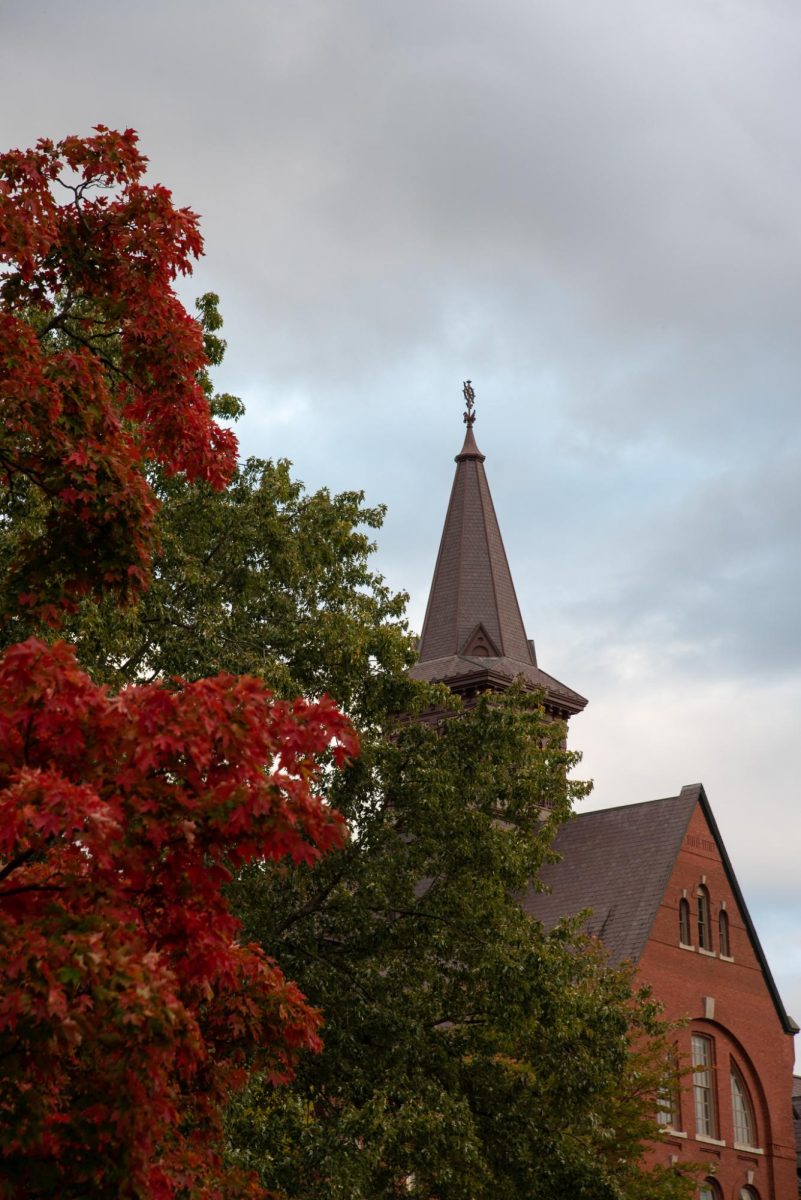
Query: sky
590, 208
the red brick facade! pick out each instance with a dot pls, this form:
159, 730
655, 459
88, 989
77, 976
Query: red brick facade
726, 999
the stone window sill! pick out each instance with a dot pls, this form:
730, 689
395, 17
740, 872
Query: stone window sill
708, 953
707, 1140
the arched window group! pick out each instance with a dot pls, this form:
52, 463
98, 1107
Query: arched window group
709, 1190
710, 1097
701, 926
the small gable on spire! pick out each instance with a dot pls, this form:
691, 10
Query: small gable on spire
480, 644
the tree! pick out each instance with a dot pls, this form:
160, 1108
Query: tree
100, 364
130, 1005
468, 1052
261, 578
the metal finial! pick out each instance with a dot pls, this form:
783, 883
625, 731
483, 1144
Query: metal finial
470, 399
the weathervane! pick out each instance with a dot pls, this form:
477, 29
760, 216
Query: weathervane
470, 399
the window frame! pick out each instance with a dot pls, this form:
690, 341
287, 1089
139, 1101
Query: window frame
724, 934
668, 1115
705, 1104
743, 1114
685, 923
704, 923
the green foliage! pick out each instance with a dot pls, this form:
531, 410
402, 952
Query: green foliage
263, 578
468, 1053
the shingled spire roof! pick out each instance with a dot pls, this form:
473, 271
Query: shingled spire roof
473, 635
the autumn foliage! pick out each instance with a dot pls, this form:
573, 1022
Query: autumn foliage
99, 361
129, 1009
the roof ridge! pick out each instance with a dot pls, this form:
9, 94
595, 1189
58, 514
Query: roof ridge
638, 804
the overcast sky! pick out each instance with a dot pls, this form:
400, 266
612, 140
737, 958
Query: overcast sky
591, 209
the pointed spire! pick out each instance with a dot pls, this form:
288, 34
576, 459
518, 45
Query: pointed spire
472, 584
473, 634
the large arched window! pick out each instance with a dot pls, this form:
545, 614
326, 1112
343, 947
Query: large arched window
724, 943
703, 1056
709, 1190
742, 1110
704, 926
748, 1193
685, 936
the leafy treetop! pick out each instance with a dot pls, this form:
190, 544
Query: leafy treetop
101, 367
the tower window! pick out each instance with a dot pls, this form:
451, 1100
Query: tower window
703, 1085
684, 923
723, 934
704, 926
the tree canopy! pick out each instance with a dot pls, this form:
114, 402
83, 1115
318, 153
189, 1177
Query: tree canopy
468, 1051
131, 1007
100, 364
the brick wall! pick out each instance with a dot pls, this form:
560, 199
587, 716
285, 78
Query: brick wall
726, 1000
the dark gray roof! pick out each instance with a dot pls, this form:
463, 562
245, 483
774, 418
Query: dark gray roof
472, 583
473, 634
458, 667
617, 862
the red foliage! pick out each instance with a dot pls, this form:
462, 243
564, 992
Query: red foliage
129, 1009
99, 361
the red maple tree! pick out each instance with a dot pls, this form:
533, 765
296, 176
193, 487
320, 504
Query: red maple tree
129, 1009
99, 360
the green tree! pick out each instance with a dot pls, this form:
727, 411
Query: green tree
468, 1053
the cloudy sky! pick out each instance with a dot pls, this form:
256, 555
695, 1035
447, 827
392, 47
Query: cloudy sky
591, 209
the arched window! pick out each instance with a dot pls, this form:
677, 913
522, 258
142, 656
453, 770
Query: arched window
704, 927
684, 923
706, 1122
724, 944
709, 1190
748, 1193
742, 1111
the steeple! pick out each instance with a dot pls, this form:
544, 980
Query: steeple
473, 635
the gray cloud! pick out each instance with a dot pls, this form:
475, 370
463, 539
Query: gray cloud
590, 209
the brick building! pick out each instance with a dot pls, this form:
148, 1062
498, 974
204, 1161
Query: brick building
656, 876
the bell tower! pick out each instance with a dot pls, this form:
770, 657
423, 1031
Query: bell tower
473, 637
